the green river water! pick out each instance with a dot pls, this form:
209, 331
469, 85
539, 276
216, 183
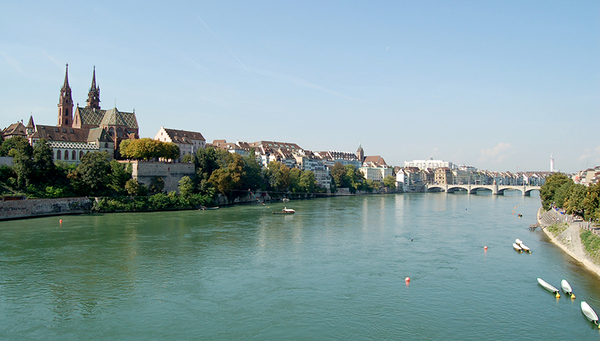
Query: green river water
335, 270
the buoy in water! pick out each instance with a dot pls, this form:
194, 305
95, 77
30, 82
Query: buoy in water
557, 295
407, 279
485, 247
60, 221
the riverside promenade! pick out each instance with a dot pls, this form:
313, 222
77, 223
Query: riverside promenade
569, 240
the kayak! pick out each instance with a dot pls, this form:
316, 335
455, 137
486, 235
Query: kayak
566, 287
589, 312
548, 287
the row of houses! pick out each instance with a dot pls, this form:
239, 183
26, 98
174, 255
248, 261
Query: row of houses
412, 178
88, 128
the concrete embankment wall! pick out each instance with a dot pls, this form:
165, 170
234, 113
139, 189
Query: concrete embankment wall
43, 207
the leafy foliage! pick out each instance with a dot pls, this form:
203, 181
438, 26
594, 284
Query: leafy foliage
148, 149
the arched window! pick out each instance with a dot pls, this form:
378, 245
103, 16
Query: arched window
119, 132
105, 144
66, 154
58, 154
80, 154
111, 131
74, 155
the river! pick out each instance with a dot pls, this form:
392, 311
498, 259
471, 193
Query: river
335, 270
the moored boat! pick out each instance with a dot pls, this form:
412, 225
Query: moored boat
525, 248
589, 313
518, 241
566, 287
517, 247
548, 287
285, 210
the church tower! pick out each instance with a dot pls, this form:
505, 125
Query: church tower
360, 153
93, 100
65, 103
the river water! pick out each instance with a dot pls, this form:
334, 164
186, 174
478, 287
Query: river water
335, 270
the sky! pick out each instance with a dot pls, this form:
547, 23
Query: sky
499, 85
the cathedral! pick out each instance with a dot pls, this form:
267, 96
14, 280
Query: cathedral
86, 129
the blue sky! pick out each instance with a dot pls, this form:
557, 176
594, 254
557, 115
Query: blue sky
499, 85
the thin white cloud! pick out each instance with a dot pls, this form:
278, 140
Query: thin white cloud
497, 154
228, 48
11, 61
53, 60
590, 155
303, 83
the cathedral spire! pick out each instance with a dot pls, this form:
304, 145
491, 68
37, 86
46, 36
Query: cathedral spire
65, 103
93, 100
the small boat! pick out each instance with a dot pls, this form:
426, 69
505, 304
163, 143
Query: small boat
517, 247
589, 312
523, 247
548, 287
518, 241
566, 287
285, 200
285, 211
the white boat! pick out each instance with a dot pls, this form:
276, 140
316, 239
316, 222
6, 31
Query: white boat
518, 241
517, 247
525, 248
589, 312
285, 210
566, 288
548, 287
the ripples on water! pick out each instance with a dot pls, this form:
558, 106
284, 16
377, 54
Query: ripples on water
335, 270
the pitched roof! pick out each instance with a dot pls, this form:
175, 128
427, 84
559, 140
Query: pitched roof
15, 129
184, 136
91, 116
374, 160
67, 134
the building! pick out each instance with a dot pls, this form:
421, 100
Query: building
187, 141
86, 129
443, 176
375, 168
433, 164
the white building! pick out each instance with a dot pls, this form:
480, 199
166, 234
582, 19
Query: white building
187, 141
433, 164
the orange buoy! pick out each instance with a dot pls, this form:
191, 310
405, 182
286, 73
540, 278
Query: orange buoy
485, 247
407, 279
60, 221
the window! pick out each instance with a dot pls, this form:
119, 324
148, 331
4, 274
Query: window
74, 155
58, 154
66, 154
80, 154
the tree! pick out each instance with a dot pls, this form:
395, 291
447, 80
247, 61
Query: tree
548, 190
308, 182
22, 154
157, 185
148, 149
574, 201
295, 175
92, 174
44, 170
186, 187
134, 188
389, 182
253, 170
278, 176
119, 175
338, 173
591, 203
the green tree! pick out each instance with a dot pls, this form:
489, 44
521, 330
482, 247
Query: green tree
278, 176
295, 175
148, 149
389, 182
339, 175
22, 154
186, 187
120, 173
574, 201
157, 185
548, 190
44, 169
134, 188
591, 203
91, 176
308, 182
253, 172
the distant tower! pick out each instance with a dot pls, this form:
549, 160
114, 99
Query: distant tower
360, 153
551, 164
65, 103
93, 100
30, 126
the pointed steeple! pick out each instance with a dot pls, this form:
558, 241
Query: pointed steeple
30, 128
93, 100
65, 103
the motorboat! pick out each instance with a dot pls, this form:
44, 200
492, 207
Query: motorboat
523, 247
566, 288
589, 313
285, 210
517, 247
548, 287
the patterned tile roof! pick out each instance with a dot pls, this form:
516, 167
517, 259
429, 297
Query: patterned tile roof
90, 116
106, 117
183, 136
67, 134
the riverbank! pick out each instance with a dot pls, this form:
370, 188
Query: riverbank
569, 239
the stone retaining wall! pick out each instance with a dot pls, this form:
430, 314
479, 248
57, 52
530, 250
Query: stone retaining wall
43, 207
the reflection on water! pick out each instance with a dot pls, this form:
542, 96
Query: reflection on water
333, 270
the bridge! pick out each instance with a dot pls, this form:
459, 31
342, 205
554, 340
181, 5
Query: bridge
472, 189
